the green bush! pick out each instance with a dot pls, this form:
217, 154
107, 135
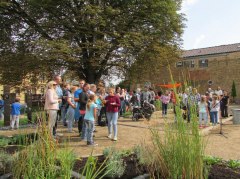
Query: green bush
115, 163
139, 151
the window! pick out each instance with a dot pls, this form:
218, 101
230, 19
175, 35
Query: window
187, 63
203, 63
192, 64
179, 64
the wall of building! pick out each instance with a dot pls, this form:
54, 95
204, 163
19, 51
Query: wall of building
222, 70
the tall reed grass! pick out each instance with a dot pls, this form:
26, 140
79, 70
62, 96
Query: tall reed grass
39, 159
178, 152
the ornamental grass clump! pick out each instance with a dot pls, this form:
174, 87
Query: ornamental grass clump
178, 152
39, 160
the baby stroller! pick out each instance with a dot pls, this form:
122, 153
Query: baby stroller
143, 112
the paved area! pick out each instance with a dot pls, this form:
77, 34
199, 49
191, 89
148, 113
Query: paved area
131, 133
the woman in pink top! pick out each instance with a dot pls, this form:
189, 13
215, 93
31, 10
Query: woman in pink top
51, 104
165, 98
112, 107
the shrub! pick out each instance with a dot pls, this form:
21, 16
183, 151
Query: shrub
115, 163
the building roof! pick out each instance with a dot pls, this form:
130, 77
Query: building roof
212, 50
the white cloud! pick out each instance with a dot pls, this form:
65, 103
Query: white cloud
198, 41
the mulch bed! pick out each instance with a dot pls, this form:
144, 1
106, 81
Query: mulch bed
132, 170
223, 172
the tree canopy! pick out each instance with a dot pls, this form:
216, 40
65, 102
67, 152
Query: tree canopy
90, 37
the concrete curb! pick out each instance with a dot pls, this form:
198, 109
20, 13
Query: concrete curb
207, 130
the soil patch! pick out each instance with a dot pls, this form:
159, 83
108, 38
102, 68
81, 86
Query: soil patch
223, 172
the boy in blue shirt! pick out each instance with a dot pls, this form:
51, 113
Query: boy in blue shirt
15, 113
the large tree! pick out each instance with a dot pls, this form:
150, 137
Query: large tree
90, 37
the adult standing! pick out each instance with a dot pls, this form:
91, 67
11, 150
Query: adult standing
71, 108
224, 103
65, 105
219, 92
58, 81
122, 101
146, 95
83, 99
112, 106
102, 108
152, 95
51, 105
77, 115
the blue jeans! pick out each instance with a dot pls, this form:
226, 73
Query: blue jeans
123, 107
214, 116
63, 114
89, 129
81, 121
164, 108
70, 118
112, 118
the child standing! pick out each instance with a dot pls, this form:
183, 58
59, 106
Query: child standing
15, 113
214, 109
89, 118
165, 98
203, 111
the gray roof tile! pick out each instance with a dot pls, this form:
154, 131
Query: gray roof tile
212, 50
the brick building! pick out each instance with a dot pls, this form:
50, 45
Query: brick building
219, 64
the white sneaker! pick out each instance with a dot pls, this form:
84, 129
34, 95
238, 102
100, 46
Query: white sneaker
109, 136
115, 138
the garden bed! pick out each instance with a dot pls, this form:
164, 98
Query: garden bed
221, 171
134, 169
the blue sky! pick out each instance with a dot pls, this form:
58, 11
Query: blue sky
211, 23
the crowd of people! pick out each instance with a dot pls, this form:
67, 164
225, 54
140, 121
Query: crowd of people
85, 105
212, 105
